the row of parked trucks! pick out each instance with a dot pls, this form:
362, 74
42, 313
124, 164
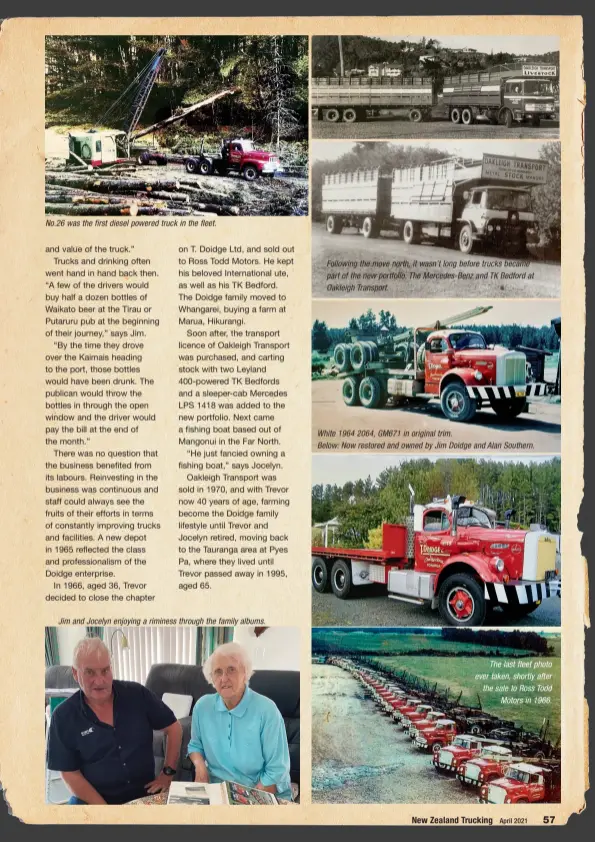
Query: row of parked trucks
451, 555
455, 202
506, 764
506, 94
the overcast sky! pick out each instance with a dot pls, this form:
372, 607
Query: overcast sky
330, 150
517, 44
338, 312
336, 469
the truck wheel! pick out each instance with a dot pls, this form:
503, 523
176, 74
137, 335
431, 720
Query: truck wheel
342, 358
370, 392
411, 233
506, 410
466, 239
456, 403
333, 225
143, 159
341, 579
351, 391
370, 228
461, 601
467, 117
250, 172
331, 115
416, 115
204, 167
320, 577
455, 115
436, 747
191, 165
349, 115
506, 118
360, 355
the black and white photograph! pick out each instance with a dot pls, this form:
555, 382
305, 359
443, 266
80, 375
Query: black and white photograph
176, 125
436, 219
448, 86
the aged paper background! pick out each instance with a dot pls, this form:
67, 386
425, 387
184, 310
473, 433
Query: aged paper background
24, 237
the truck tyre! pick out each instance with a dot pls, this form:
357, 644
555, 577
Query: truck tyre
411, 233
456, 403
370, 228
370, 392
506, 118
349, 115
461, 601
320, 576
467, 117
342, 358
191, 165
351, 391
416, 115
331, 115
333, 225
205, 167
143, 159
466, 239
436, 747
455, 115
359, 356
341, 578
250, 172
506, 410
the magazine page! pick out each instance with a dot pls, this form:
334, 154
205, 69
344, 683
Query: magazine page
289, 485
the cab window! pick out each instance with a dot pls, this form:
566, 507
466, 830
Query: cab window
477, 197
236, 147
436, 521
436, 346
98, 146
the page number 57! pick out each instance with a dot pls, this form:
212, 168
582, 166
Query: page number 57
548, 819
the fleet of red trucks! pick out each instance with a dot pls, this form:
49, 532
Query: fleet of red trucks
487, 764
455, 202
451, 555
506, 95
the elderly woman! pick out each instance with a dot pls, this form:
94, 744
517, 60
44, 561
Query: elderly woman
237, 734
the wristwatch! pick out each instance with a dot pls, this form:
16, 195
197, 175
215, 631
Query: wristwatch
169, 771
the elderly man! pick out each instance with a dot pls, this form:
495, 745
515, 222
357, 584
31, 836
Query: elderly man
237, 734
101, 738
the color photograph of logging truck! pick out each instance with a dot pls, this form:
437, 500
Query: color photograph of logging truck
451, 376
488, 733
177, 125
422, 211
440, 87
459, 542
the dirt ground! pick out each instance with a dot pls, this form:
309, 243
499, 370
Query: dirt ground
402, 128
421, 427
350, 246
359, 756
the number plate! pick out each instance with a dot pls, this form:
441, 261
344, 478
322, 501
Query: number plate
520, 393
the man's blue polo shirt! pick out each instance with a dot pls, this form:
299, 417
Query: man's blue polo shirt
247, 744
118, 761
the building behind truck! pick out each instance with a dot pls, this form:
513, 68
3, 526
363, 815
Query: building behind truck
506, 94
454, 201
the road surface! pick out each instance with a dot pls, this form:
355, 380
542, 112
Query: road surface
421, 427
370, 606
402, 128
342, 268
359, 756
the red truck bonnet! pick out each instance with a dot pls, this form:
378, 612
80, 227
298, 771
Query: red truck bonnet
471, 357
507, 544
257, 155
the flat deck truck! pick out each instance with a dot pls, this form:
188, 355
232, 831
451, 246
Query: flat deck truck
450, 555
456, 202
507, 95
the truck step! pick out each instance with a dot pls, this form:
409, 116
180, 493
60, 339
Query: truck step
406, 599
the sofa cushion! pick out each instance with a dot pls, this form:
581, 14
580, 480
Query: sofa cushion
179, 703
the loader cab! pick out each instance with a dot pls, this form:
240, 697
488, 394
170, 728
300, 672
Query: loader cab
95, 147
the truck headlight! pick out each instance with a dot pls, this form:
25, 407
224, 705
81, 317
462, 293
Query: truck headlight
498, 227
508, 800
498, 564
490, 228
478, 375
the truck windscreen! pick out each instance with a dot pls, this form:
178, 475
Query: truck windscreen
502, 199
463, 341
471, 516
538, 87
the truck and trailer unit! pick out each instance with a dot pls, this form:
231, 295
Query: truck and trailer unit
450, 556
506, 94
453, 202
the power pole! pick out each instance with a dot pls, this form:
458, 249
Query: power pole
341, 55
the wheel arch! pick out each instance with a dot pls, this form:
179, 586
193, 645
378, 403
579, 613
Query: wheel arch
468, 564
464, 376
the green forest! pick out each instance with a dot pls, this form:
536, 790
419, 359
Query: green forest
84, 75
532, 489
388, 156
438, 61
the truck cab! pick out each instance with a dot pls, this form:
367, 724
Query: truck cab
528, 99
523, 783
502, 217
432, 738
491, 763
420, 712
429, 719
462, 748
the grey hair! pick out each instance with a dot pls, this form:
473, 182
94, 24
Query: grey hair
230, 650
87, 646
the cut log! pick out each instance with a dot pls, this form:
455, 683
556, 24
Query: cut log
111, 185
184, 113
101, 210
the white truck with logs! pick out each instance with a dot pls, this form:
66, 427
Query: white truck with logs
454, 202
506, 95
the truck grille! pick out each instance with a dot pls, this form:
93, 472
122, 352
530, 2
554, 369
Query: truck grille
496, 794
546, 557
472, 772
445, 758
512, 370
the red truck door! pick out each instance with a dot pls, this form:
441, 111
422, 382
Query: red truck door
430, 555
235, 154
437, 362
